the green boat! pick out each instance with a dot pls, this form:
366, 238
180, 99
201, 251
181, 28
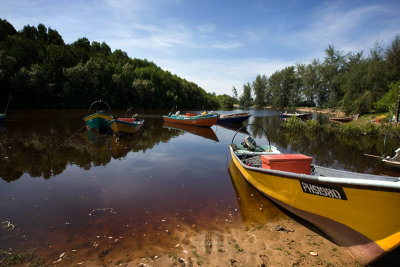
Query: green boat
99, 120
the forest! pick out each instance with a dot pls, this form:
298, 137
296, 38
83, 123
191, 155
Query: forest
351, 82
40, 71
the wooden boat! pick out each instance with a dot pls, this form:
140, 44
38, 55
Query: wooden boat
126, 125
285, 115
344, 119
98, 120
358, 211
205, 132
206, 120
234, 118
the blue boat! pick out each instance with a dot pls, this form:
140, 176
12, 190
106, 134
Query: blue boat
234, 118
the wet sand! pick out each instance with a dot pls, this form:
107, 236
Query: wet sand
281, 242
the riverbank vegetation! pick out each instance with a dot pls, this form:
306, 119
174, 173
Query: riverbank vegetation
353, 82
364, 127
41, 71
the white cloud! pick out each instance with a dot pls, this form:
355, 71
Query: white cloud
219, 76
227, 45
206, 28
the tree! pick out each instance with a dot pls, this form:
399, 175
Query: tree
235, 94
6, 29
259, 89
246, 99
393, 60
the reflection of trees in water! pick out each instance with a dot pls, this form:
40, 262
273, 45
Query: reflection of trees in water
46, 152
327, 148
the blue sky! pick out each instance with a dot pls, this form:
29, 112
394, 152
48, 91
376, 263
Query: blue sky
216, 44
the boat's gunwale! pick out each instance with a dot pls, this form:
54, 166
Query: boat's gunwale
98, 114
202, 121
237, 115
346, 182
198, 117
134, 123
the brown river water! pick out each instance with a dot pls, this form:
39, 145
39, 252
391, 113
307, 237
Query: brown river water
65, 188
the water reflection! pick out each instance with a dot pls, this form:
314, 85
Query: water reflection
234, 127
46, 149
205, 132
253, 206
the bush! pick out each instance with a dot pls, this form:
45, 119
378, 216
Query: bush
388, 102
293, 124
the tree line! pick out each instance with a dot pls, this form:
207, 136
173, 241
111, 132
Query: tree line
352, 82
40, 71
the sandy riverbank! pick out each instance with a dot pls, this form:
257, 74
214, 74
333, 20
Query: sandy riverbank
283, 242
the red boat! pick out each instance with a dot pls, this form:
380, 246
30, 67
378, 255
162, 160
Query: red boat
206, 120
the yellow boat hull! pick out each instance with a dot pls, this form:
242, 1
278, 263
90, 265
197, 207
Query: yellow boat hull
363, 219
121, 127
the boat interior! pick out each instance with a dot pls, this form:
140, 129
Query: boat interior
252, 158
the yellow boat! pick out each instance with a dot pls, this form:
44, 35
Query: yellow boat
357, 211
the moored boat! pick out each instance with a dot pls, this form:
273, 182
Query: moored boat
121, 126
344, 119
234, 118
99, 120
286, 115
126, 125
357, 211
206, 120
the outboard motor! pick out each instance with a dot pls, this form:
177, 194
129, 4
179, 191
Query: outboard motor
250, 143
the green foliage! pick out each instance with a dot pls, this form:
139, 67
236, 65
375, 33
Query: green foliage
41, 71
225, 101
313, 126
259, 88
351, 81
29, 258
388, 102
246, 99
293, 123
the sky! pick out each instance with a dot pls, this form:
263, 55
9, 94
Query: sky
218, 44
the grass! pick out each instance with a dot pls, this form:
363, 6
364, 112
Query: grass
29, 257
361, 127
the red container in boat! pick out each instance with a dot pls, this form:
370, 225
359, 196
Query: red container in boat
297, 163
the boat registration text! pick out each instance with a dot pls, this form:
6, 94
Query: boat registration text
323, 190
